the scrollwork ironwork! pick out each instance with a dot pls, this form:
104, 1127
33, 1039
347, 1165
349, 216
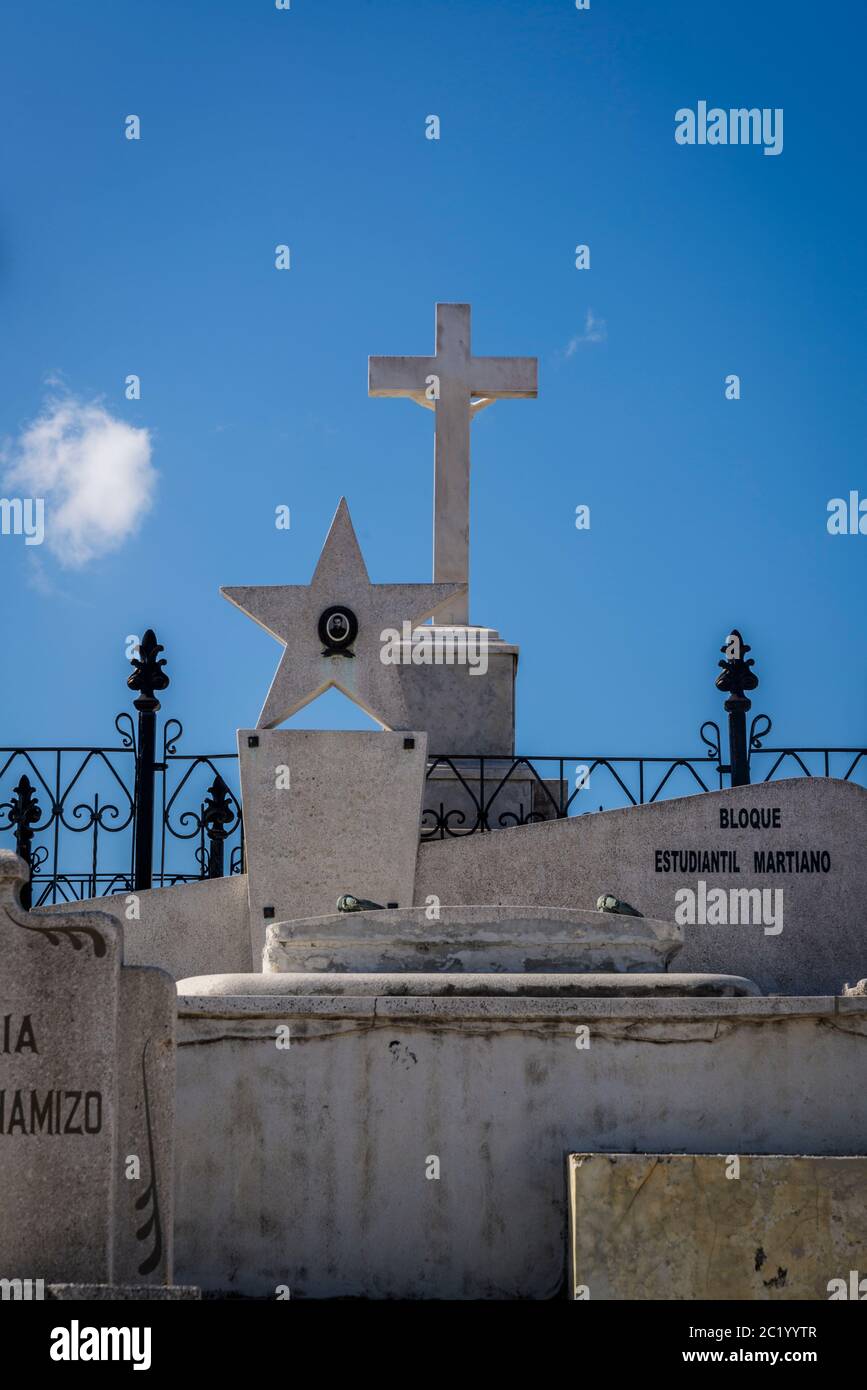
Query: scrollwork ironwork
756, 734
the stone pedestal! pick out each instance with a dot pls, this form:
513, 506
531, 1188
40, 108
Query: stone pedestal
328, 813
462, 709
86, 1100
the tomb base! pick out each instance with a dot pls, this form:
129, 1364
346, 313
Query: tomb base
414, 1147
493, 985
121, 1293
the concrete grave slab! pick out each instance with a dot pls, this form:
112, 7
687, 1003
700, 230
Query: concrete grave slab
473, 939
715, 1226
496, 984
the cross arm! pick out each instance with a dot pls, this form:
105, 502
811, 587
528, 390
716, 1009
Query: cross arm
504, 376
398, 376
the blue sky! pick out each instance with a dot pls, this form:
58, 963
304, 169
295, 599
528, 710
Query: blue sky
306, 127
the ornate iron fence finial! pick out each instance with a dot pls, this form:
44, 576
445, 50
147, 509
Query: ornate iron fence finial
24, 812
735, 678
737, 675
217, 818
148, 675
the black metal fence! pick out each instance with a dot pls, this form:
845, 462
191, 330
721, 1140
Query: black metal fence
502, 792
94, 821
127, 820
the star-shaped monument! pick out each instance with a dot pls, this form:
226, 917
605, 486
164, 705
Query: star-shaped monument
332, 630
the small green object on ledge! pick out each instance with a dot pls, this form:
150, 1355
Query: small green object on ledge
347, 903
608, 903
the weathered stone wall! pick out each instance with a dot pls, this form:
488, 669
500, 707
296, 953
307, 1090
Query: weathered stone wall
568, 863
306, 1166
191, 929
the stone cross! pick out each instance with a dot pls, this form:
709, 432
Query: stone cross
456, 385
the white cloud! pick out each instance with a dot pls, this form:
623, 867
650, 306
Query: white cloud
36, 577
94, 472
595, 331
